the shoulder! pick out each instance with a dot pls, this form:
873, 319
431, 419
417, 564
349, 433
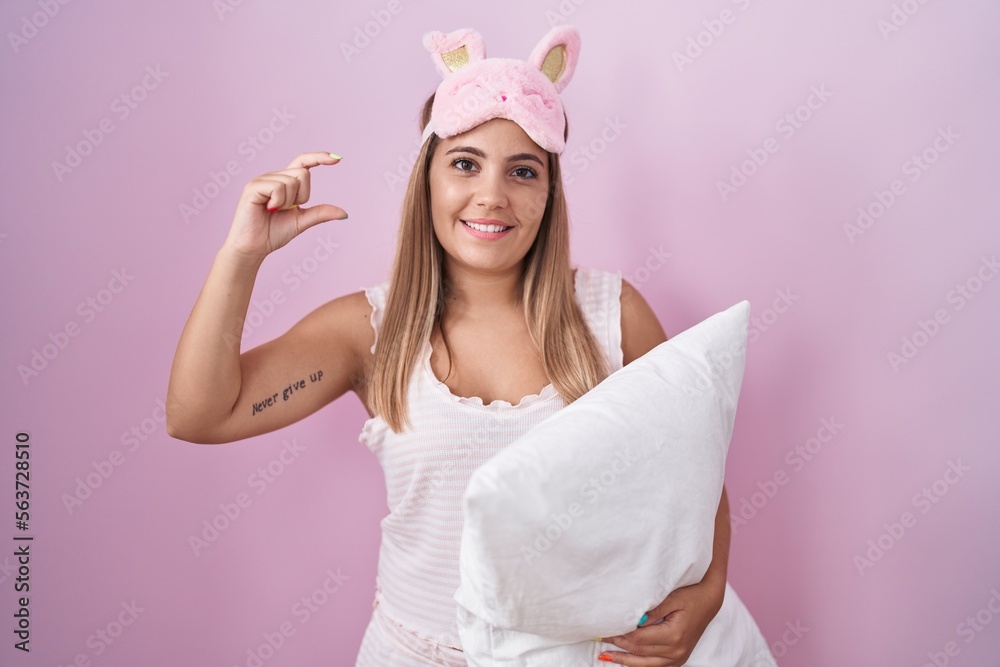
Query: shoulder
344, 322
348, 309
641, 330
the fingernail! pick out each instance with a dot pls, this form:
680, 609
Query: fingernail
604, 658
597, 639
272, 210
334, 155
345, 217
645, 617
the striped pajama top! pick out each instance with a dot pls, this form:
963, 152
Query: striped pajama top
428, 468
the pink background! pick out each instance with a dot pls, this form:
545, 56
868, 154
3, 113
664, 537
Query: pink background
650, 139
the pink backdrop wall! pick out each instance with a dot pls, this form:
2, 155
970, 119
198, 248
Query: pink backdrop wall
863, 466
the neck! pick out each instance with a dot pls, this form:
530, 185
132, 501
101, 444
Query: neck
476, 292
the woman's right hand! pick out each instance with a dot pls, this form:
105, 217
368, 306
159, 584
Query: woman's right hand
268, 215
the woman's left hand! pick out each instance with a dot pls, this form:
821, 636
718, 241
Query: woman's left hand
687, 611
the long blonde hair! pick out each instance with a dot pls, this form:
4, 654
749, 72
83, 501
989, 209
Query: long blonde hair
571, 357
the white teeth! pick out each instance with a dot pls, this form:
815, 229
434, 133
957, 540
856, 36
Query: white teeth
485, 228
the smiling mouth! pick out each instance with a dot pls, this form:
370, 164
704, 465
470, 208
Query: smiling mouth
485, 228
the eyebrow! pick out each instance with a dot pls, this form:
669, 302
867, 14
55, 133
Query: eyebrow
512, 158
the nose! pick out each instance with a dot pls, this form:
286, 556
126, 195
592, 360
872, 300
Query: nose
492, 190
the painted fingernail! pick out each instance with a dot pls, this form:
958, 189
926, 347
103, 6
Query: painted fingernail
598, 639
272, 210
334, 155
645, 617
604, 658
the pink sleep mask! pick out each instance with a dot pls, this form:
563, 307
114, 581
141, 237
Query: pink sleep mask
476, 89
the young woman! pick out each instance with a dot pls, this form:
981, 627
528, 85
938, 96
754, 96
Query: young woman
482, 330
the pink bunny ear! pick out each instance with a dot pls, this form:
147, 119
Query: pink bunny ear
455, 50
556, 54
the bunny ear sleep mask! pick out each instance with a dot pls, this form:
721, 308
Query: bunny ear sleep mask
476, 89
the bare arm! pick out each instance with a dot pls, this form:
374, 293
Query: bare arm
205, 377
215, 394
718, 569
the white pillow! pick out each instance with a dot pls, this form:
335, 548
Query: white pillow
591, 518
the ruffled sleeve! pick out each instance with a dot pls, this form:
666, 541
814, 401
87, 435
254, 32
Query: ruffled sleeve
376, 296
615, 320
599, 295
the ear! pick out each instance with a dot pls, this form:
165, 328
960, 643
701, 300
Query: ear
556, 55
455, 50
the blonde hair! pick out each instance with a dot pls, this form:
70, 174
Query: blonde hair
571, 357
